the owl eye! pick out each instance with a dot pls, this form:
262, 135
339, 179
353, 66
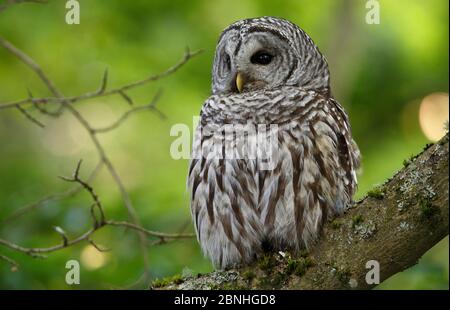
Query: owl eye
227, 62
261, 58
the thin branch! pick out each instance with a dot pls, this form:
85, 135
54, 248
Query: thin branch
30, 117
97, 226
41, 107
66, 103
121, 91
62, 233
126, 97
32, 64
150, 233
95, 245
13, 263
32, 251
87, 237
151, 106
50, 198
100, 150
102, 88
90, 190
187, 56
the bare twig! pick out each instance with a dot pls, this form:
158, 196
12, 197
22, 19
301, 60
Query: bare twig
97, 225
13, 263
50, 198
126, 97
100, 150
65, 103
41, 107
29, 116
102, 88
62, 233
151, 106
30, 63
33, 251
121, 91
87, 237
149, 232
95, 245
90, 190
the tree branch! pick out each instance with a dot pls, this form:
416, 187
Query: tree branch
50, 198
395, 224
121, 119
87, 236
101, 92
65, 103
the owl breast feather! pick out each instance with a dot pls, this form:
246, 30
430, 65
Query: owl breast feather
242, 199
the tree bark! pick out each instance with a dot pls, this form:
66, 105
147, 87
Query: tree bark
395, 224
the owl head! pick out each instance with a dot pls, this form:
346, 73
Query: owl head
266, 53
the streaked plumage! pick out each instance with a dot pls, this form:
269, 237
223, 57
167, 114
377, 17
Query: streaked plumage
237, 206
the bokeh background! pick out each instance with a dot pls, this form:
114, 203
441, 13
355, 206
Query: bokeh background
392, 78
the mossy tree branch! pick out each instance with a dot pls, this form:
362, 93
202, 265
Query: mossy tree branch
395, 224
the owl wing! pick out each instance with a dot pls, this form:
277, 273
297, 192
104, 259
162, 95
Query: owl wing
324, 160
349, 154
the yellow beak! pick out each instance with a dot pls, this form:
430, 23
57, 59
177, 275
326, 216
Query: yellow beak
239, 82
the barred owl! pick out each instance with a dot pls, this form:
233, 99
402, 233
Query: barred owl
267, 72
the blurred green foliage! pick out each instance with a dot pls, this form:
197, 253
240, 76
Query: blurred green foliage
379, 73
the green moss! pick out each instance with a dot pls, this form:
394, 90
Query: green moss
298, 267
278, 280
343, 275
303, 253
248, 275
336, 224
271, 282
427, 209
411, 158
267, 262
377, 193
275, 278
309, 262
176, 279
159, 283
231, 286
300, 270
406, 162
264, 283
427, 146
291, 266
357, 220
